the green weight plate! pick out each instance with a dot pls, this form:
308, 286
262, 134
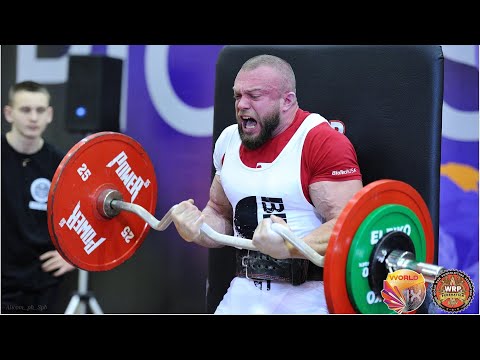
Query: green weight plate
382, 220
359, 207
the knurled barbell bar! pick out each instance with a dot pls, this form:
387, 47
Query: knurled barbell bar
385, 227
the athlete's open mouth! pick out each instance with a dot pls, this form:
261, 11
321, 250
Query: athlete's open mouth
248, 122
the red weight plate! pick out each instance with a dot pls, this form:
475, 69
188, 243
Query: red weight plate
85, 238
372, 196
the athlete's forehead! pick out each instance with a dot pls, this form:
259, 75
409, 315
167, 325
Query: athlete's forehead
262, 78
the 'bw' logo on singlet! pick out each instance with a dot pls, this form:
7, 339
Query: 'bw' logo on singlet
246, 218
273, 206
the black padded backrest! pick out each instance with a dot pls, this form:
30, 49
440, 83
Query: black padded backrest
389, 98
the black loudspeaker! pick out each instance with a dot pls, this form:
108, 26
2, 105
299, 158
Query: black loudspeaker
93, 94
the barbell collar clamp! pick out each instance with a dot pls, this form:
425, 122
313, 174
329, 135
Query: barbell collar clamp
104, 203
399, 259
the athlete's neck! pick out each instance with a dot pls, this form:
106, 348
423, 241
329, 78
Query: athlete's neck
288, 119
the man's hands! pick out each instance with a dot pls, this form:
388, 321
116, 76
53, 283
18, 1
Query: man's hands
188, 219
270, 242
52, 260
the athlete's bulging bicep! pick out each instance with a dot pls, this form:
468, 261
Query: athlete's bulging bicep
330, 197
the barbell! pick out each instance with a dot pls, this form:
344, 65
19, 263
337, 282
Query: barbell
104, 192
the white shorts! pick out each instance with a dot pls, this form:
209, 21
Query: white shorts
246, 296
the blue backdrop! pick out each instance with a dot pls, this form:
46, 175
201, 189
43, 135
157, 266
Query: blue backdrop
458, 239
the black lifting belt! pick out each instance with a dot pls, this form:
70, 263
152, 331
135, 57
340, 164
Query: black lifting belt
258, 266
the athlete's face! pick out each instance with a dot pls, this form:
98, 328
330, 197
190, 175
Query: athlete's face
29, 114
257, 105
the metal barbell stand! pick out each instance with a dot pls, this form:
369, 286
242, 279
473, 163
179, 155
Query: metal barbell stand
83, 298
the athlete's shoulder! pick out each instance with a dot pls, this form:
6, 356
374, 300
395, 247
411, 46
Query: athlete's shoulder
229, 130
227, 134
324, 129
222, 144
324, 136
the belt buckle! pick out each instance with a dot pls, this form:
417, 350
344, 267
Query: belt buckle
244, 263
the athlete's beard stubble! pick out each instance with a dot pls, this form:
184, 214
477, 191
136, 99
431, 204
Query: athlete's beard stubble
269, 124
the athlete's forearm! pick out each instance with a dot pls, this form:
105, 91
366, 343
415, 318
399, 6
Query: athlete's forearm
219, 220
317, 239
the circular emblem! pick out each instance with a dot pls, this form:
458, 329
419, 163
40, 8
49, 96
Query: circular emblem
39, 189
404, 291
453, 290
